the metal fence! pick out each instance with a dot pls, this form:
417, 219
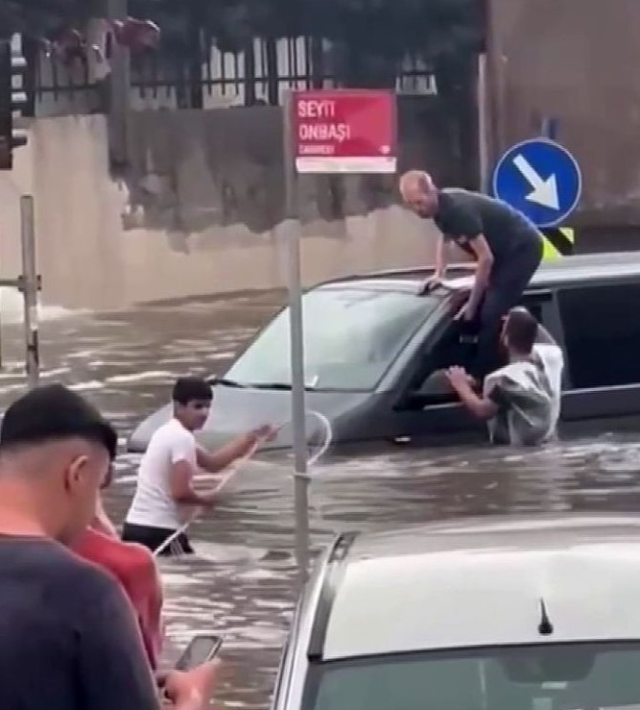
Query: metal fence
258, 75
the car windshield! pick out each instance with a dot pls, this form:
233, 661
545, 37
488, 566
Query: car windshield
598, 676
351, 336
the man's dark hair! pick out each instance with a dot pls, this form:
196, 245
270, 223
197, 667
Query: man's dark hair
521, 330
191, 389
53, 413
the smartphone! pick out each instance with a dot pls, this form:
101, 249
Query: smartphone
201, 648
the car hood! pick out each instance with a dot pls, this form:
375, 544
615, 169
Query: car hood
236, 411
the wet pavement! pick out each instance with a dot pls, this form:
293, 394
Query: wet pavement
242, 582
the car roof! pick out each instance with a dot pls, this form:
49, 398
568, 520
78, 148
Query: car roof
567, 270
482, 582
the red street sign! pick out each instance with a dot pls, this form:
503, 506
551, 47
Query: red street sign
344, 131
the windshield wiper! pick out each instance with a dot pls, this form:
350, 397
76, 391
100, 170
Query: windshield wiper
281, 386
223, 381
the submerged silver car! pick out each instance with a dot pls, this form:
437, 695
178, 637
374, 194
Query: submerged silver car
509, 613
375, 351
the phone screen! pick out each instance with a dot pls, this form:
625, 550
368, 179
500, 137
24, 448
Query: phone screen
201, 648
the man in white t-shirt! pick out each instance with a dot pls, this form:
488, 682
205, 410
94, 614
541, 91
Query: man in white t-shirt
520, 401
164, 492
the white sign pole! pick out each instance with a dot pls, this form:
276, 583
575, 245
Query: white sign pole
296, 327
328, 128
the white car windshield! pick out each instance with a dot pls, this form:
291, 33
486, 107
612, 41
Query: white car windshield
352, 335
585, 676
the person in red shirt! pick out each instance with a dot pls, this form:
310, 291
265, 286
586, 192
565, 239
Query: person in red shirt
135, 568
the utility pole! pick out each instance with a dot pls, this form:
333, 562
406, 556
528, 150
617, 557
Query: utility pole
119, 90
29, 286
13, 102
495, 81
13, 99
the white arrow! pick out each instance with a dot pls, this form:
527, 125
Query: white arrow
545, 192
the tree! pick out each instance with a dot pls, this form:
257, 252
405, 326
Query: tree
190, 27
370, 38
39, 18
373, 37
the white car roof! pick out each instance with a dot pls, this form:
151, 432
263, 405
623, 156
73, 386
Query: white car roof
480, 582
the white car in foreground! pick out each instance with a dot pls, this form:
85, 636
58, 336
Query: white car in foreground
505, 613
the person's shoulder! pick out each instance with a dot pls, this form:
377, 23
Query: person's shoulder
69, 578
548, 351
458, 195
494, 379
131, 565
458, 202
113, 554
98, 595
453, 197
170, 432
50, 556
453, 206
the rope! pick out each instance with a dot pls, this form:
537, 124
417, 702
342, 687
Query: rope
172, 543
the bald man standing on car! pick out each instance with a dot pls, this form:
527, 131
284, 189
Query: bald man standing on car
505, 244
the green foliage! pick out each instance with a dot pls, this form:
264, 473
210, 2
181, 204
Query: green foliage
38, 18
231, 23
377, 34
371, 37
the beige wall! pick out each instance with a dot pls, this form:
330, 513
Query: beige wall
170, 230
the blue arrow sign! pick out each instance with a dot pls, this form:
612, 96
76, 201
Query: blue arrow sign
541, 179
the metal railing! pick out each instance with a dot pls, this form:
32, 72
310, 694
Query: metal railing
260, 74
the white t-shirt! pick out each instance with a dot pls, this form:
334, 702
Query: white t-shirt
153, 504
552, 360
528, 394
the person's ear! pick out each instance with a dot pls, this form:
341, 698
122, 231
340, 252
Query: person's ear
75, 473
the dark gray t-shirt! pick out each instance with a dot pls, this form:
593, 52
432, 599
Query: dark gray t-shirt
68, 638
462, 216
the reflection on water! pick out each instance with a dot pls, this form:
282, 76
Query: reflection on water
242, 581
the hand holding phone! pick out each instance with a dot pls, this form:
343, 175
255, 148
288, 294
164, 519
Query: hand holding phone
201, 649
191, 690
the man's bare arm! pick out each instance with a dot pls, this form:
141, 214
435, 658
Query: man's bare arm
214, 462
441, 261
481, 407
181, 484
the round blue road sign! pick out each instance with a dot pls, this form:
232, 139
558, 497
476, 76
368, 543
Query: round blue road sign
541, 179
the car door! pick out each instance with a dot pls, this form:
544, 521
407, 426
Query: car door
601, 325
424, 415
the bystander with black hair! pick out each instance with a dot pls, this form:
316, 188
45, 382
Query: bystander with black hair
165, 487
68, 638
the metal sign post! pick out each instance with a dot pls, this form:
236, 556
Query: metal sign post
29, 288
325, 132
296, 328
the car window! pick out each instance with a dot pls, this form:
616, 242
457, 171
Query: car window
450, 350
351, 337
543, 677
602, 334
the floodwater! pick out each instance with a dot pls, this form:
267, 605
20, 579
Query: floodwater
242, 582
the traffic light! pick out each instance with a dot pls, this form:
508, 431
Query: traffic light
13, 99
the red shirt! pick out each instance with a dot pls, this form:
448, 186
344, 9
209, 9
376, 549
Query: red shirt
135, 568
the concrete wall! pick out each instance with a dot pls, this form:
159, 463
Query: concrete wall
200, 210
576, 60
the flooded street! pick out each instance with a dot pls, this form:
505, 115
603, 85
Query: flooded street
242, 583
